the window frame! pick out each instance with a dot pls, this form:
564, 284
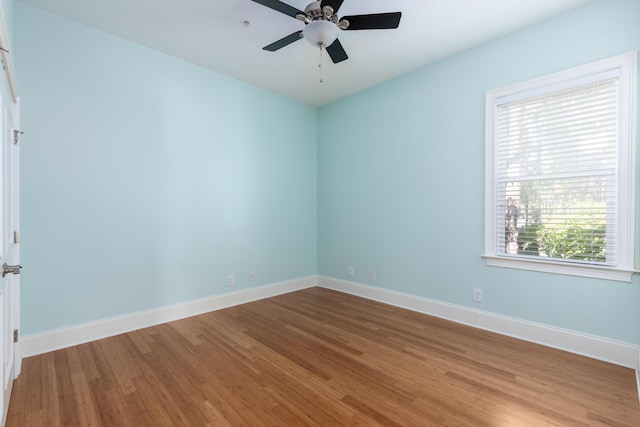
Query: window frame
625, 231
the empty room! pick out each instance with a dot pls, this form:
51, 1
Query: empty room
320, 213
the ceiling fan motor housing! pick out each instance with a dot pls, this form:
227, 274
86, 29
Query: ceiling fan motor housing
315, 11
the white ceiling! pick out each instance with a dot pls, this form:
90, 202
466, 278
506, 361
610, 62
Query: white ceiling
213, 34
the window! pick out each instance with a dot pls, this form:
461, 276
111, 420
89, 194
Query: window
560, 166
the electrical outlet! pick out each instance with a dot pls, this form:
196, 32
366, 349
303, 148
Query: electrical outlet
231, 280
350, 271
373, 275
477, 295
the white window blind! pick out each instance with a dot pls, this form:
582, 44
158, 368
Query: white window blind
560, 172
556, 167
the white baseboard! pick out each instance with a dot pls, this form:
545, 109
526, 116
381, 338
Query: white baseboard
616, 352
32, 345
638, 374
619, 353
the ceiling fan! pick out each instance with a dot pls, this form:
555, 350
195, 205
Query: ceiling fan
322, 24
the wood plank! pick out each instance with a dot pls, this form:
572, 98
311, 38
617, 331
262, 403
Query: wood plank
319, 358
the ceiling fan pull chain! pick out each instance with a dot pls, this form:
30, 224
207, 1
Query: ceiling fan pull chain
320, 63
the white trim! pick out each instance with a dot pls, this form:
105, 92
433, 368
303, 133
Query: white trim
600, 348
66, 337
582, 270
617, 352
628, 137
638, 374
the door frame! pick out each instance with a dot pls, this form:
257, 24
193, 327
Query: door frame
10, 107
10, 241
13, 135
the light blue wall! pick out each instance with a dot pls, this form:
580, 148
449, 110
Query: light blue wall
401, 179
147, 180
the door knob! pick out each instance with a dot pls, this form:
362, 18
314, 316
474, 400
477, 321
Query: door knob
13, 269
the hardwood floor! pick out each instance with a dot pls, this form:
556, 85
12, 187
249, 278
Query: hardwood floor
319, 358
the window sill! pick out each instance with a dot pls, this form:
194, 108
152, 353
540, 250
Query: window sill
582, 270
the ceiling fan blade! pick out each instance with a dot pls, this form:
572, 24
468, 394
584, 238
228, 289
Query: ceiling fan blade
335, 4
336, 52
285, 41
280, 7
375, 21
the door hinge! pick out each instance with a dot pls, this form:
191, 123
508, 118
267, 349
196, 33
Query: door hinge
15, 335
16, 136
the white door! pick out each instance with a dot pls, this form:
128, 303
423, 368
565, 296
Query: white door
10, 252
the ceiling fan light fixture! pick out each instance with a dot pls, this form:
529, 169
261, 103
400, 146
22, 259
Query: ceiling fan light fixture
320, 33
